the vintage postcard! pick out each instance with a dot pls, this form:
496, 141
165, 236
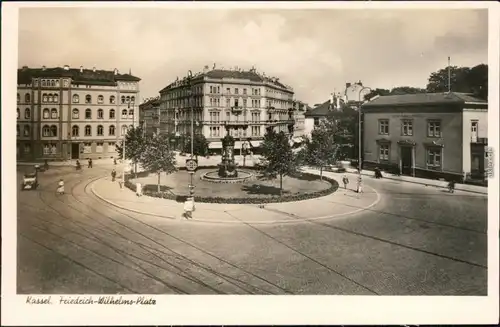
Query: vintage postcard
250, 163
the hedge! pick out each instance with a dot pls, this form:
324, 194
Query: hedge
246, 200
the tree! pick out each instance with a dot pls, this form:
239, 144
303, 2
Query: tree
406, 90
200, 145
277, 156
134, 145
328, 141
463, 79
376, 92
158, 156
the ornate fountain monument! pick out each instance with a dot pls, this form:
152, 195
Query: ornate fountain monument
228, 172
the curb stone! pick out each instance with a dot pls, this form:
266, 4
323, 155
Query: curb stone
241, 222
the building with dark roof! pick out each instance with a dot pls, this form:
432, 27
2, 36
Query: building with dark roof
244, 101
314, 116
438, 135
66, 113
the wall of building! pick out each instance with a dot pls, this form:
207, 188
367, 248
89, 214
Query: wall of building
451, 136
469, 115
32, 146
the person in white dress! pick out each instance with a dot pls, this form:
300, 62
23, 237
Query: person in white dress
138, 189
189, 207
360, 184
60, 187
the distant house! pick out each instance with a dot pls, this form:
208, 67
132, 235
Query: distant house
150, 116
436, 135
314, 116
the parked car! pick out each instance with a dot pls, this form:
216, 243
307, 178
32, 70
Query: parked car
30, 181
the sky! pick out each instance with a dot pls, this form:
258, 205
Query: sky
316, 51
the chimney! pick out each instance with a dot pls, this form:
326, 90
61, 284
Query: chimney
360, 84
25, 67
93, 69
81, 69
332, 101
66, 67
115, 71
43, 67
347, 85
205, 69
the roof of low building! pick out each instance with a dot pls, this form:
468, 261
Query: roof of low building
85, 76
321, 110
423, 99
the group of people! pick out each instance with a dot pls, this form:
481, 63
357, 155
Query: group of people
359, 186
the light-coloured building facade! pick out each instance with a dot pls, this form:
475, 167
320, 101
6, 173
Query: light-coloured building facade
432, 135
246, 100
299, 111
65, 113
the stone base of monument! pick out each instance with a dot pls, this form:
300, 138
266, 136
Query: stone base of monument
213, 176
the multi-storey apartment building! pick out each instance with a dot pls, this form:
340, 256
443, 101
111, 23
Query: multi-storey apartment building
439, 135
65, 113
151, 118
246, 101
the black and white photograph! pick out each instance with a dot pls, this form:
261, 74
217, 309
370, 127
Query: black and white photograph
166, 151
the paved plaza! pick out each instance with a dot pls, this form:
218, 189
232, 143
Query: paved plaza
397, 238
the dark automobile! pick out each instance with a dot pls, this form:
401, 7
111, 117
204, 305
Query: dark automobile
30, 181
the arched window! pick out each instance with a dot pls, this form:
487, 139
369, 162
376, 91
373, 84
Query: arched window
131, 113
53, 83
112, 114
100, 99
76, 114
88, 98
17, 129
46, 130
132, 99
18, 113
100, 130
53, 130
57, 83
124, 130
55, 98
112, 99
123, 99
50, 98
26, 131
44, 98
76, 98
124, 113
75, 130
27, 98
18, 98
53, 113
44, 82
128, 99
111, 130
88, 130
88, 114
46, 113
100, 114
27, 113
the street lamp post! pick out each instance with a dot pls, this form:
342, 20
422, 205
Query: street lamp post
124, 141
191, 173
359, 126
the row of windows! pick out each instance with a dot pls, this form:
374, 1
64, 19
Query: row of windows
51, 148
433, 127
51, 131
433, 156
54, 98
53, 113
100, 99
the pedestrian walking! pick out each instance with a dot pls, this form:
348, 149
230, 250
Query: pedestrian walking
360, 184
138, 189
189, 208
113, 175
90, 162
114, 161
60, 187
345, 180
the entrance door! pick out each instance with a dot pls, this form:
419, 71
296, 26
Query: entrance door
406, 160
75, 150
